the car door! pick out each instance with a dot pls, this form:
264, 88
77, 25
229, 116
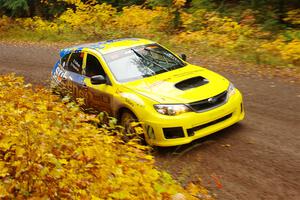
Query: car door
74, 80
99, 96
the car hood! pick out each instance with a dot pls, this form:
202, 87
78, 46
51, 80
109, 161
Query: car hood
184, 85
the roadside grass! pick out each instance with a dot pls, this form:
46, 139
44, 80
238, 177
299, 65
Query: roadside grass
246, 55
22, 35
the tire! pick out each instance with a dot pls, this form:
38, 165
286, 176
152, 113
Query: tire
126, 119
54, 87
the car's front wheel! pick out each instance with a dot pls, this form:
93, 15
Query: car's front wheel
127, 117
132, 127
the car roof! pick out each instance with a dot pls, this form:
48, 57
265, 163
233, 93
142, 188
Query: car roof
107, 46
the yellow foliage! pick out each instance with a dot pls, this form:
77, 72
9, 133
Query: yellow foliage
38, 24
179, 3
291, 51
90, 18
197, 191
5, 23
48, 149
104, 20
288, 49
136, 20
293, 16
213, 30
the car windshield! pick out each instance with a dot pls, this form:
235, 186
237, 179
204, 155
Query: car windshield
141, 61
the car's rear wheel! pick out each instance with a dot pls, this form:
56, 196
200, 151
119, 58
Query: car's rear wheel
132, 127
54, 87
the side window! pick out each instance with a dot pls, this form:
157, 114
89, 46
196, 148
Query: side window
64, 60
93, 66
75, 63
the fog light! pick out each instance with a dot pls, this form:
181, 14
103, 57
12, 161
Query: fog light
172, 133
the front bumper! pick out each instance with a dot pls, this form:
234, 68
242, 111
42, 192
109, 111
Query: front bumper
193, 125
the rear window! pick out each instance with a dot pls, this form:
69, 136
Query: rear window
64, 60
75, 63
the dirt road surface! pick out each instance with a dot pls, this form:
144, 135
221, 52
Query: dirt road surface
258, 158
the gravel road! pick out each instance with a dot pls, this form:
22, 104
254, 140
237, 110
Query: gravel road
258, 158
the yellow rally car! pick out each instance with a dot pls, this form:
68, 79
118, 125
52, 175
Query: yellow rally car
137, 79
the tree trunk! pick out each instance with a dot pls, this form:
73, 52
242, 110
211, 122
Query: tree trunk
35, 8
281, 10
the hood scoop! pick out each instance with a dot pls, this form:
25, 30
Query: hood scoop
191, 83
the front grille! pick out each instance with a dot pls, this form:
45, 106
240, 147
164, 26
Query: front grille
209, 103
192, 131
173, 133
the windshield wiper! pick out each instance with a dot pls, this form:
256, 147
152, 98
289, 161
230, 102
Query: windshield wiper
151, 71
165, 55
150, 60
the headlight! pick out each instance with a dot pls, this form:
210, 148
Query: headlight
175, 109
231, 90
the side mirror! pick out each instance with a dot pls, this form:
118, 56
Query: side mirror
98, 79
183, 57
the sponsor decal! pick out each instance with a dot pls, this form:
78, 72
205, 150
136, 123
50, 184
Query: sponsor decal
59, 74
